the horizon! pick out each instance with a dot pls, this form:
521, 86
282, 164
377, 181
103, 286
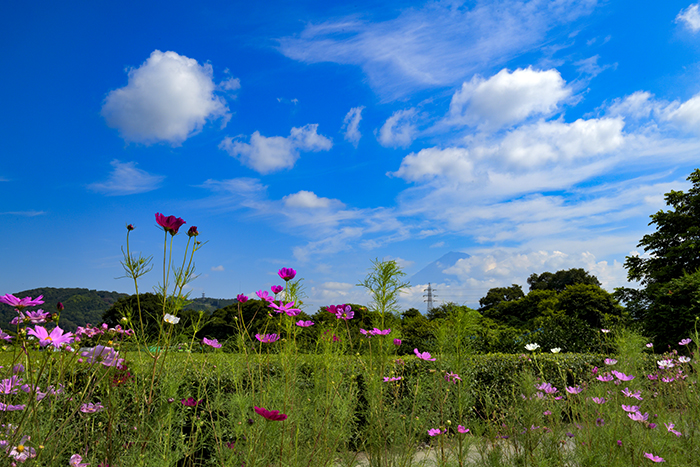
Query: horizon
532, 136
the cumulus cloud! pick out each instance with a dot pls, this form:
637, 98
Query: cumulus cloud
429, 163
507, 98
230, 84
126, 179
690, 17
308, 200
399, 130
638, 105
685, 115
270, 154
167, 99
438, 44
218, 268
351, 125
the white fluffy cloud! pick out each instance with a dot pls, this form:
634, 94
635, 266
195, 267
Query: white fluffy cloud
309, 200
167, 99
351, 125
270, 154
686, 115
218, 268
126, 179
690, 17
507, 98
434, 162
399, 130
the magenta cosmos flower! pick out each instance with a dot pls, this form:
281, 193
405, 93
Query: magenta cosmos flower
170, 224
287, 308
21, 303
212, 343
56, 338
191, 402
91, 408
423, 356
304, 324
653, 458
461, 429
267, 338
344, 312
272, 415
685, 342
276, 289
241, 298
287, 274
435, 432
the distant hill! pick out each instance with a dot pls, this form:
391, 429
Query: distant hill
433, 272
82, 306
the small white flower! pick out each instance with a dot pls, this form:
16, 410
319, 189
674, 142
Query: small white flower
532, 347
555, 350
684, 359
664, 364
605, 331
171, 319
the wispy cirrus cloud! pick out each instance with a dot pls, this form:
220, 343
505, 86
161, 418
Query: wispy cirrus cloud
436, 45
167, 99
690, 17
23, 213
351, 125
126, 179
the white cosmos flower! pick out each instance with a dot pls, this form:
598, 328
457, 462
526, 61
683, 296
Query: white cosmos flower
171, 319
532, 347
683, 359
555, 350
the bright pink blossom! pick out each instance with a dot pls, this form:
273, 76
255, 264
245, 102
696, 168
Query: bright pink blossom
685, 341
276, 289
573, 389
272, 415
630, 408
621, 376
91, 408
287, 274
56, 338
286, 308
653, 458
191, 402
267, 338
304, 324
638, 416
241, 298
461, 429
212, 343
76, 460
21, 303
170, 224
423, 356
436, 432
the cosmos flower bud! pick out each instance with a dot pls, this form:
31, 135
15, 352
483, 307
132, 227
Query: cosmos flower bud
130, 227
192, 232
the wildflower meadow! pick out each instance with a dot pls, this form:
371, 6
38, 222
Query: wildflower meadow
123, 395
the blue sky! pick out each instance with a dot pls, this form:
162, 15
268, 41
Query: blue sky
534, 136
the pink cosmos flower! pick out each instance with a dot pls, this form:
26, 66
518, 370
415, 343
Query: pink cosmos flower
241, 298
573, 389
685, 342
653, 458
287, 308
212, 343
547, 412
170, 224
452, 378
37, 317
76, 460
304, 324
276, 289
91, 408
380, 332
598, 400
56, 338
21, 303
610, 361
264, 295
461, 429
10, 385
605, 378
344, 312
21, 452
630, 408
638, 416
397, 342
621, 376
191, 402
395, 378
287, 274
423, 356
267, 338
650, 345
5, 336
435, 432
636, 394
272, 415
11, 408
547, 388
104, 355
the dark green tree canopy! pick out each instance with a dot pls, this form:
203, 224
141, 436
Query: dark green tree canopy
559, 280
500, 294
674, 248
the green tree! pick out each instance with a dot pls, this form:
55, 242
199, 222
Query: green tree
671, 261
497, 295
559, 280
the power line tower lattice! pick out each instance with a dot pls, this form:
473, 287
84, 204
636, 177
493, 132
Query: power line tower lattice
430, 296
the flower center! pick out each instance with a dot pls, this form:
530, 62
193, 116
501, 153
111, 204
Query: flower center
47, 338
20, 448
